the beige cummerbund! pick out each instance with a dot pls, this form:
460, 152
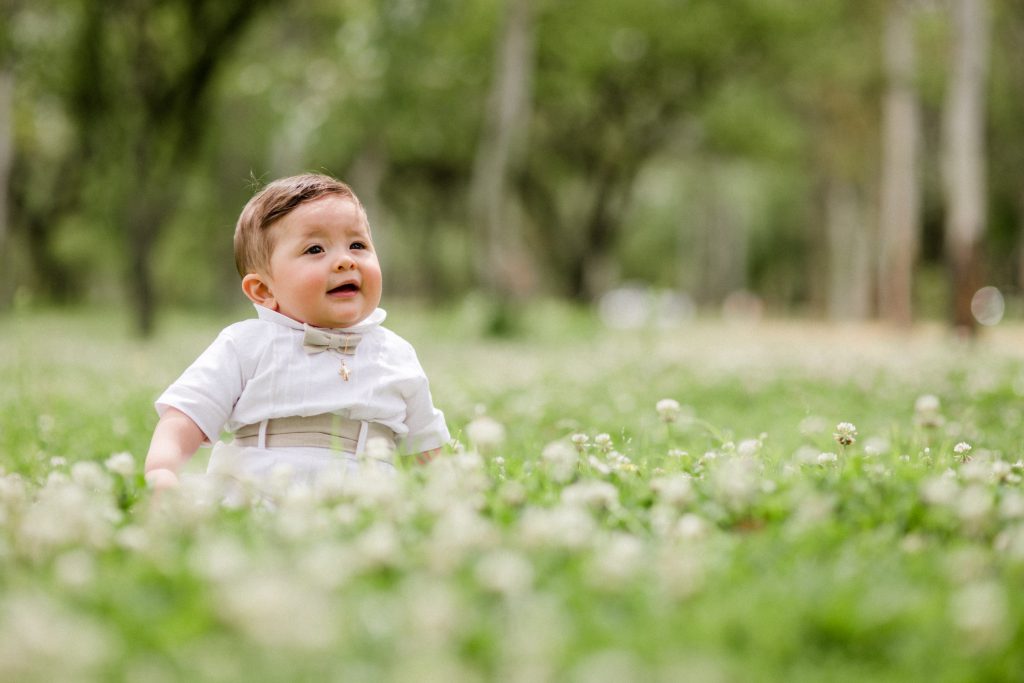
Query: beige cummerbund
326, 430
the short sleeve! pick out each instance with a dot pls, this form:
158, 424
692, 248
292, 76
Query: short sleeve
208, 389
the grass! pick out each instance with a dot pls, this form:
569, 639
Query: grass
721, 546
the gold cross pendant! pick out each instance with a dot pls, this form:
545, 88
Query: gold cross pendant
344, 371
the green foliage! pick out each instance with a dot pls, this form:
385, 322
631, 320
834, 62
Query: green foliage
141, 128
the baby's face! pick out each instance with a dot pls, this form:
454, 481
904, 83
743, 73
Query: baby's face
323, 268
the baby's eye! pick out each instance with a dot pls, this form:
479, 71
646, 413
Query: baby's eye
315, 249
358, 245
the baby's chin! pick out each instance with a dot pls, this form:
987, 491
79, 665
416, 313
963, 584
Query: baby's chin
338, 322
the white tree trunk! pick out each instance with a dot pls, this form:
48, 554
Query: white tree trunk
849, 251
722, 242
899, 215
964, 152
500, 259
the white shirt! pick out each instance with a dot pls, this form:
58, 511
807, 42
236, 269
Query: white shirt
257, 369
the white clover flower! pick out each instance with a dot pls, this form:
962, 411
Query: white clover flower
603, 442
1011, 507
735, 480
89, 475
580, 441
927, 403
122, 464
876, 445
927, 411
561, 460
274, 610
485, 433
980, 612
379, 546
692, 527
435, 611
748, 447
812, 425
13, 491
512, 492
41, 639
962, 451
460, 529
813, 510
680, 571
1001, 470
616, 561
75, 569
220, 558
668, 410
975, 471
845, 434
827, 458
591, 494
940, 491
597, 465
676, 490
327, 565
66, 514
504, 571
975, 507
133, 538
564, 526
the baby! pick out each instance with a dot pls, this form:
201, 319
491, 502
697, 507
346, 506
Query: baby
315, 377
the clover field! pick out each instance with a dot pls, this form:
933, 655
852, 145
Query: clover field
709, 502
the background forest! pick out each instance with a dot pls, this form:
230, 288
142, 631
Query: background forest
848, 159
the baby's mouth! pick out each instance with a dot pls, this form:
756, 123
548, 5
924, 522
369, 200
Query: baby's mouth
347, 288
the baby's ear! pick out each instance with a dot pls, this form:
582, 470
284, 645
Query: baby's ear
257, 288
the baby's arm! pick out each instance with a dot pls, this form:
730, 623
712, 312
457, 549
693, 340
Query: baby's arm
175, 440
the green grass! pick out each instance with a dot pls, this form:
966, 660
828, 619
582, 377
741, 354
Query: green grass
896, 561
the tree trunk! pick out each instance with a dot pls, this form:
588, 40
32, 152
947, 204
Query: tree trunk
849, 291
964, 154
899, 216
501, 263
721, 241
6, 159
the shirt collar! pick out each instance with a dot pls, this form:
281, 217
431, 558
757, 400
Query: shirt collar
364, 325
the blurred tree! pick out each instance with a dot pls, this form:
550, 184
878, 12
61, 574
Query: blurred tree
964, 153
6, 151
614, 81
1006, 158
502, 264
899, 223
825, 59
140, 76
737, 143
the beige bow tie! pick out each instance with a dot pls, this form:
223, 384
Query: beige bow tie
316, 340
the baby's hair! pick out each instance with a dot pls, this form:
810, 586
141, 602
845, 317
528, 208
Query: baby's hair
253, 243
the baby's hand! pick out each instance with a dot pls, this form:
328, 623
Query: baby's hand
161, 478
426, 456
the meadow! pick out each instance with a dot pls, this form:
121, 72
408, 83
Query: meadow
710, 501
